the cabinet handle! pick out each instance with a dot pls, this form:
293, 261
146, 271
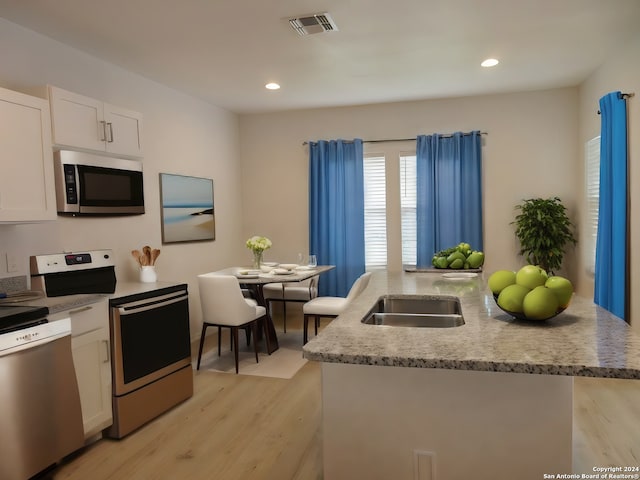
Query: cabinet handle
110, 138
81, 309
103, 124
107, 353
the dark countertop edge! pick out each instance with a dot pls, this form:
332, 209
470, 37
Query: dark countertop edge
478, 366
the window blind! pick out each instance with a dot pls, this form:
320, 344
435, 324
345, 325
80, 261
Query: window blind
375, 212
592, 191
408, 198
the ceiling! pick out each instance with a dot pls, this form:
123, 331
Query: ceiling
225, 51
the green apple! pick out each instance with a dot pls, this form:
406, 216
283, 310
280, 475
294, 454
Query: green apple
456, 256
511, 298
463, 247
562, 287
475, 259
531, 276
441, 262
501, 279
456, 264
540, 303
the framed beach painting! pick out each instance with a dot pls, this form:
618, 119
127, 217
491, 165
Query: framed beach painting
188, 214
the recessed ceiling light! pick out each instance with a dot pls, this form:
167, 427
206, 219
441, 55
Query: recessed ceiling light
272, 86
490, 62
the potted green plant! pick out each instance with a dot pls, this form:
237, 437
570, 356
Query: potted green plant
544, 230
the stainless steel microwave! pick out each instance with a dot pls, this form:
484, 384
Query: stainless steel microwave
88, 184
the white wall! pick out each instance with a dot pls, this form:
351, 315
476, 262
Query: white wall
182, 135
530, 150
620, 72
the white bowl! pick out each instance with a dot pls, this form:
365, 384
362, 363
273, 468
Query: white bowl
288, 266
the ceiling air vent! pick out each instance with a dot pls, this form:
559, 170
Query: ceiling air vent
316, 23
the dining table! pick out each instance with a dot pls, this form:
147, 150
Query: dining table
256, 281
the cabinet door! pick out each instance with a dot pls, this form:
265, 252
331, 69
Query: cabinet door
27, 191
78, 121
123, 131
91, 358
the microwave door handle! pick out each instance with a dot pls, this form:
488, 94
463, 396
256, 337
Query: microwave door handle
136, 307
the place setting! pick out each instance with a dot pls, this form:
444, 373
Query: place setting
248, 274
305, 265
281, 269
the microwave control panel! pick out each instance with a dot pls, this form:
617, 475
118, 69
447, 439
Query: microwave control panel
70, 185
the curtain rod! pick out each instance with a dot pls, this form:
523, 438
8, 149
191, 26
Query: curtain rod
445, 135
625, 96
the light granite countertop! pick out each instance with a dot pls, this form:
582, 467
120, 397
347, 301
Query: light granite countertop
584, 340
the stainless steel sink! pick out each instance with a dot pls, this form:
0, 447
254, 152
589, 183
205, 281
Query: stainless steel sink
434, 304
429, 312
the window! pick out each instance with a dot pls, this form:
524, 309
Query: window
375, 212
390, 186
592, 190
390, 205
408, 200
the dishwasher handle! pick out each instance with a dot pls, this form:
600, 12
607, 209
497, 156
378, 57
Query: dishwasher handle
151, 303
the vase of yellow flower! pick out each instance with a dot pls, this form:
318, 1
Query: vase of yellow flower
258, 245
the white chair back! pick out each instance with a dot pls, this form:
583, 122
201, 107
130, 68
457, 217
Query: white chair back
222, 300
358, 286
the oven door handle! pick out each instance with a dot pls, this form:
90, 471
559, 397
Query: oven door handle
151, 303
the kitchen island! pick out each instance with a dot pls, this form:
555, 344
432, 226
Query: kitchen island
491, 399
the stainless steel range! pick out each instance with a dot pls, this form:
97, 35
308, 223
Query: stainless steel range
151, 356
149, 332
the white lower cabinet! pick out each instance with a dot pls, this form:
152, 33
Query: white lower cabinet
91, 358
93, 371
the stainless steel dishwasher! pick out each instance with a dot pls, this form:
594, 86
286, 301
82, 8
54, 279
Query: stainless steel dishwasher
41, 419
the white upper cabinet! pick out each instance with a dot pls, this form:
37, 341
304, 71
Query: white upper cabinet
124, 131
27, 191
85, 123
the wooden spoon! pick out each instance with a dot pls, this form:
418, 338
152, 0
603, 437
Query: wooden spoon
154, 255
137, 254
147, 253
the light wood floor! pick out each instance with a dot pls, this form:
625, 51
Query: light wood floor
257, 428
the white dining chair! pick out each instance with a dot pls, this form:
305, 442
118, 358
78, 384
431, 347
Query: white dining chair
331, 307
300, 292
224, 306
